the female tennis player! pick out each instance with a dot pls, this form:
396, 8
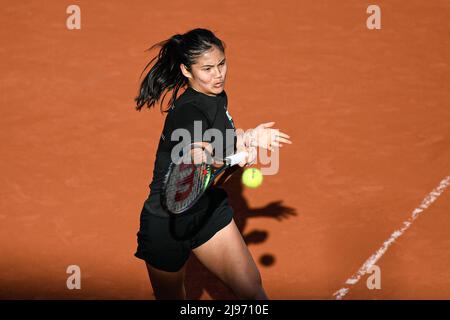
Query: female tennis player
195, 61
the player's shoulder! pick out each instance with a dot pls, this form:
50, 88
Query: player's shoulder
186, 113
188, 106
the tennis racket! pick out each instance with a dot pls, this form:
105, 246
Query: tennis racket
185, 183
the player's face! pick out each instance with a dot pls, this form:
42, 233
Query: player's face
208, 74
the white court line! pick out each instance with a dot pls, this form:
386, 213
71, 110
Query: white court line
429, 199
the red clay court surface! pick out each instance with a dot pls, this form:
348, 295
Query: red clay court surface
367, 111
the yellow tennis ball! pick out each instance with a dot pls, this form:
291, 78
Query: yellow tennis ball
252, 177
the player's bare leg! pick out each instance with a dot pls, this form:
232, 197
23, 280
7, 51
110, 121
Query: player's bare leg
167, 285
227, 256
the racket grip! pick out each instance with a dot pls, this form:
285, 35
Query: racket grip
236, 158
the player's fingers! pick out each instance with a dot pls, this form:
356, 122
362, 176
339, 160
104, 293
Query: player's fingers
197, 155
282, 134
268, 124
208, 147
200, 155
275, 144
280, 139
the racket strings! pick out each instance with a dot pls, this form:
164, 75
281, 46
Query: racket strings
184, 186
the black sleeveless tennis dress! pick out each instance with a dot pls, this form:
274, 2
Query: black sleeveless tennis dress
164, 240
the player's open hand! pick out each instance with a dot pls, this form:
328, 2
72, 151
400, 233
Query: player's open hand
266, 137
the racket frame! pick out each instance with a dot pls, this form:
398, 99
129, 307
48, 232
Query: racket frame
228, 162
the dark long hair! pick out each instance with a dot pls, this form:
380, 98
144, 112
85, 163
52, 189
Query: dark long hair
165, 75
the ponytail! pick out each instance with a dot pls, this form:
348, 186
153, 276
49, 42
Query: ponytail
165, 75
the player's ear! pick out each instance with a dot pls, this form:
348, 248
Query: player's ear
185, 71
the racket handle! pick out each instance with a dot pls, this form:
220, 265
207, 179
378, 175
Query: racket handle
236, 158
